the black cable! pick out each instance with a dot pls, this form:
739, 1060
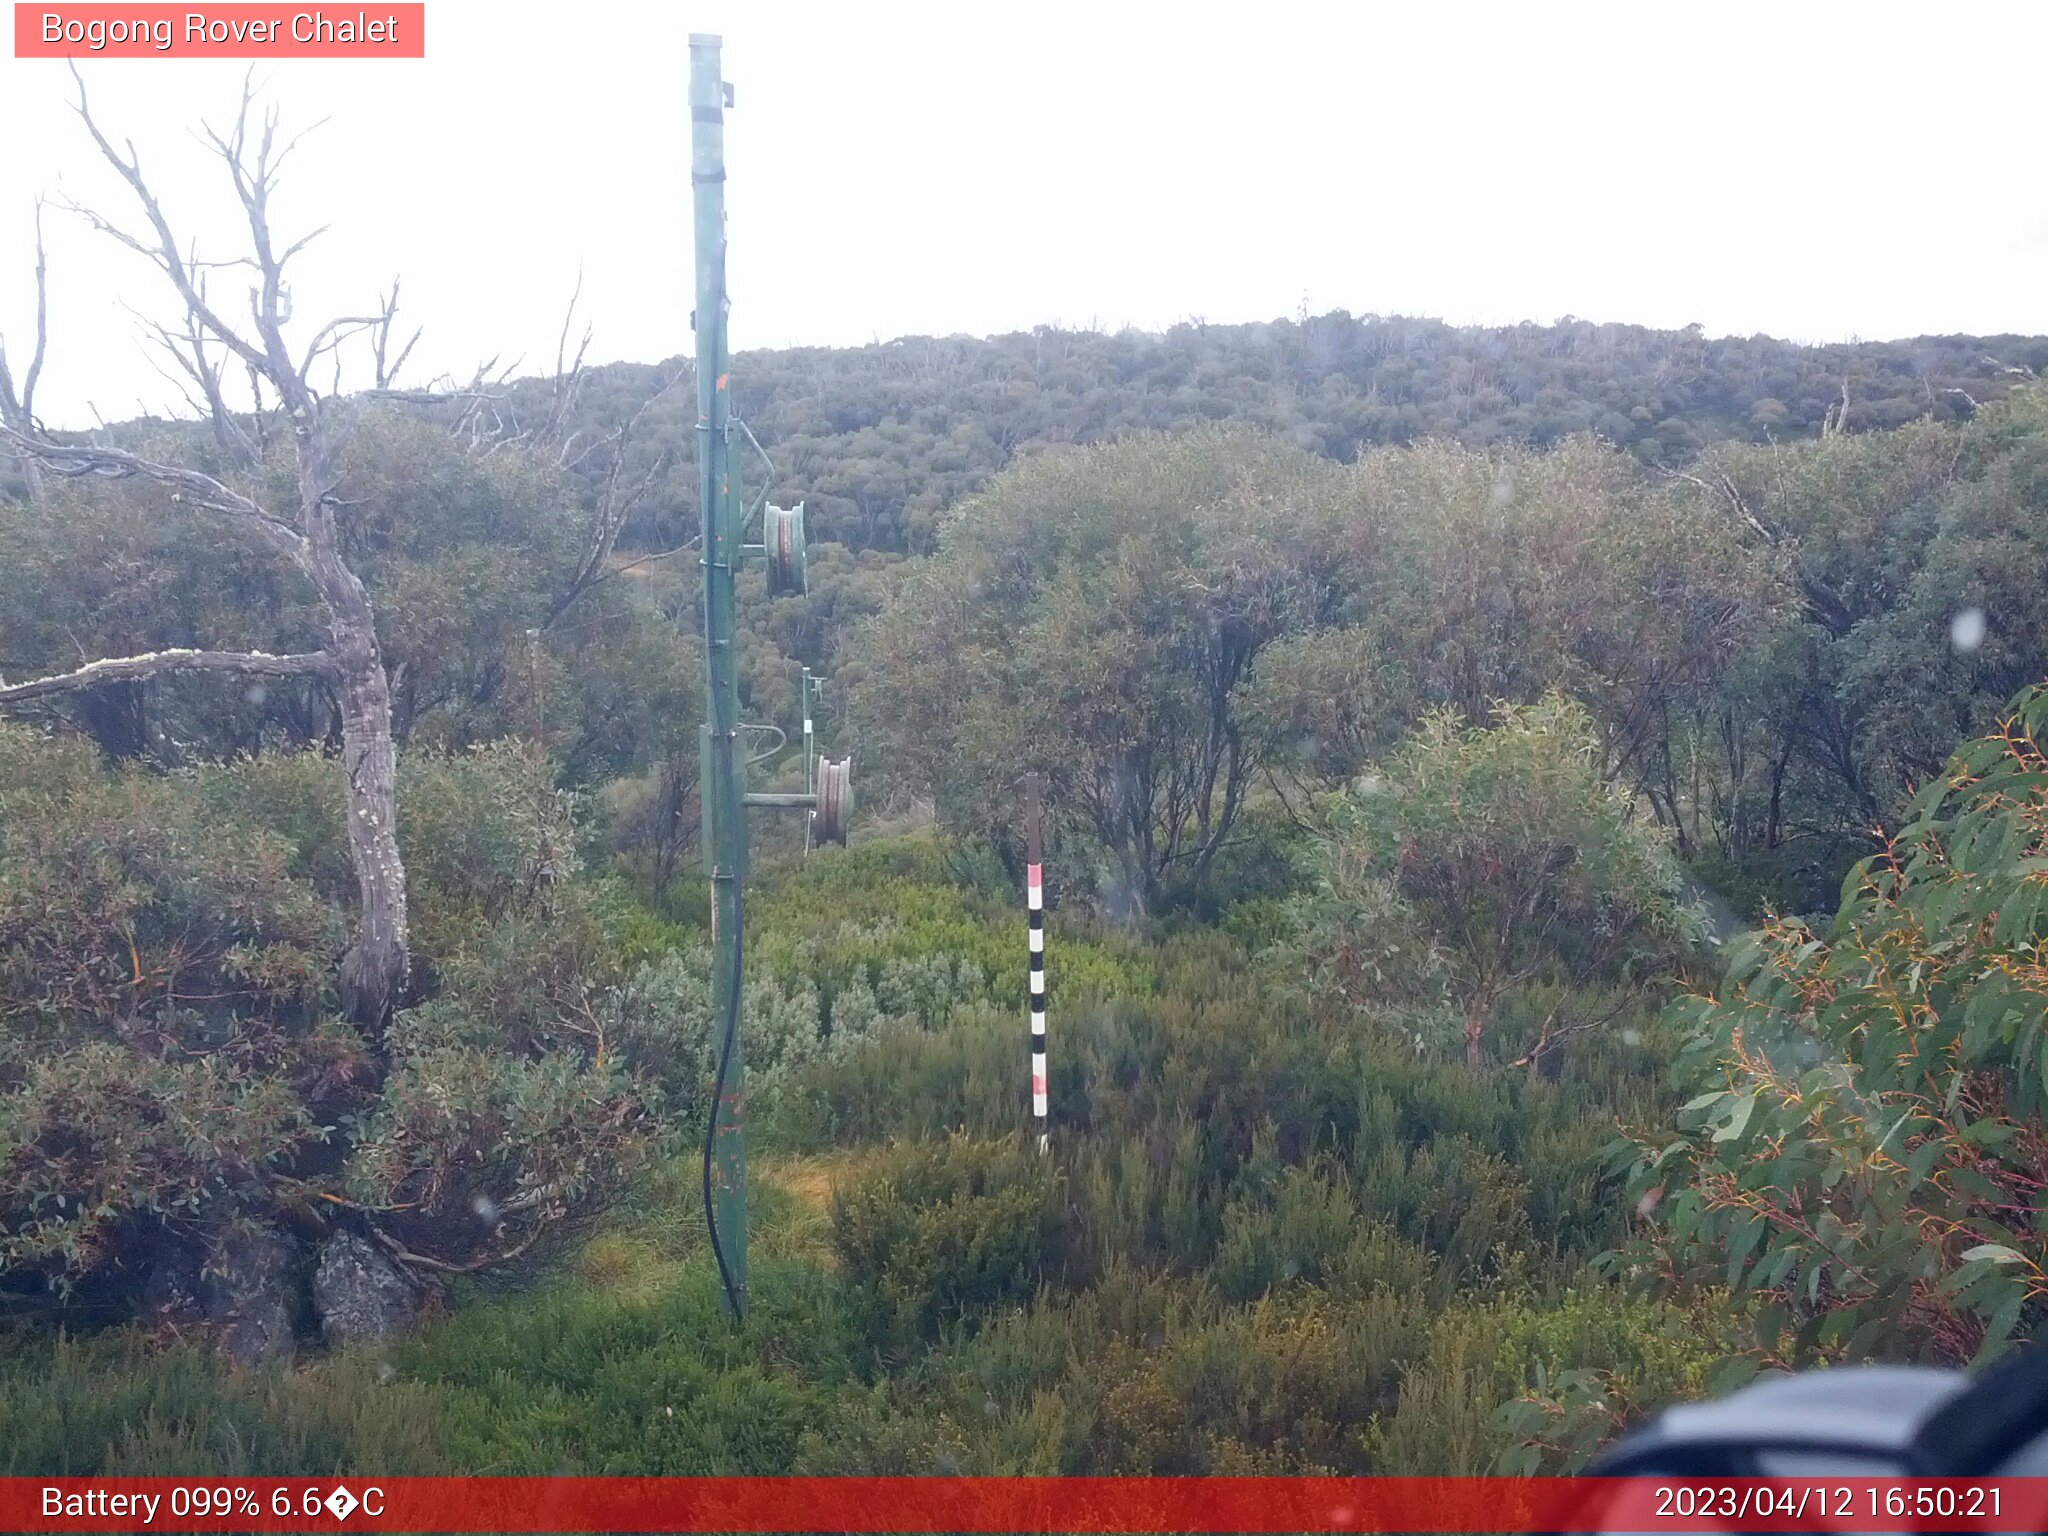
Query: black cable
731, 1037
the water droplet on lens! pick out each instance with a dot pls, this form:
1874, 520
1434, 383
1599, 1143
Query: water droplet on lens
1966, 629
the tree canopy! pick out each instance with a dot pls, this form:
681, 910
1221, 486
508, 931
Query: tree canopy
882, 440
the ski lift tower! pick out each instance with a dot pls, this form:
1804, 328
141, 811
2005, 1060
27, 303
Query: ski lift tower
828, 790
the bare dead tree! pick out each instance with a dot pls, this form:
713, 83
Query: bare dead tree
479, 426
615, 503
18, 407
375, 967
568, 378
388, 368
489, 421
1836, 419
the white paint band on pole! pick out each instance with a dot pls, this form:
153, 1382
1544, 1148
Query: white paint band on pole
1034, 895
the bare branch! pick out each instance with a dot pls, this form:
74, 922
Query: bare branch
1732, 493
18, 410
415, 396
270, 304
189, 351
165, 251
614, 507
332, 335
399, 1252
188, 486
21, 407
303, 241
157, 663
568, 375
660, 554
35, 366
477, 397
482, 387
380, 340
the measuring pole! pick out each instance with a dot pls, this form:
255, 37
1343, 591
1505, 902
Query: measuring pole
725, 824
1034, 898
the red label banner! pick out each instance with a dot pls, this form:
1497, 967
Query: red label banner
224, 31
1020, 1504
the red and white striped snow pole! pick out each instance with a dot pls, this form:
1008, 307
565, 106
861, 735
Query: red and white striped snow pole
1034, 895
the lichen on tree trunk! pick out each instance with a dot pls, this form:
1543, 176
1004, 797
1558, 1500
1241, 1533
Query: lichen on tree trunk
373, 972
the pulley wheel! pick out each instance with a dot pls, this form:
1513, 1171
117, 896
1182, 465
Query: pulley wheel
835, 801
782, 532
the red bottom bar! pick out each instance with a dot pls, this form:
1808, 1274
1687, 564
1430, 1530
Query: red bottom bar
1020, 1504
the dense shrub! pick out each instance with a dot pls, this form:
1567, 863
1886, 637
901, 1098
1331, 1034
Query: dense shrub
168, 1044
171, 1059
1588, 1364
938, 1232
1865, 1154
1476, 861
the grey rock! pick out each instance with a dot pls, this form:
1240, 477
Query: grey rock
247, 1290
238, 1289
172, 1294
358, 1293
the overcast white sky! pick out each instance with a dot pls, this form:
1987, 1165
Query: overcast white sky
1813, 171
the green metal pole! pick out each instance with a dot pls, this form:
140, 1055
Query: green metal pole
724, 823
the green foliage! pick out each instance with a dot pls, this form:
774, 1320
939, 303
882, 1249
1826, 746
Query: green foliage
1094, 616
1331, 700
1269, 1235
170, 1058
1597, 1361
465, 556
1865, 1146
889, 920
938, 1232
472, 1151
1157, 622
1896, 544
649, 1385
1504, 575
113, 1404
881, 440
1305, 1230
165, 1039
1764, 647
1243, 1253
1475, 861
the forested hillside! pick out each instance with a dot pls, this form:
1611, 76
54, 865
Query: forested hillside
880, 439
1546, 879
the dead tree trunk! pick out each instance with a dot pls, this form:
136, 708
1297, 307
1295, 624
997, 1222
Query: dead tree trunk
375, 967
